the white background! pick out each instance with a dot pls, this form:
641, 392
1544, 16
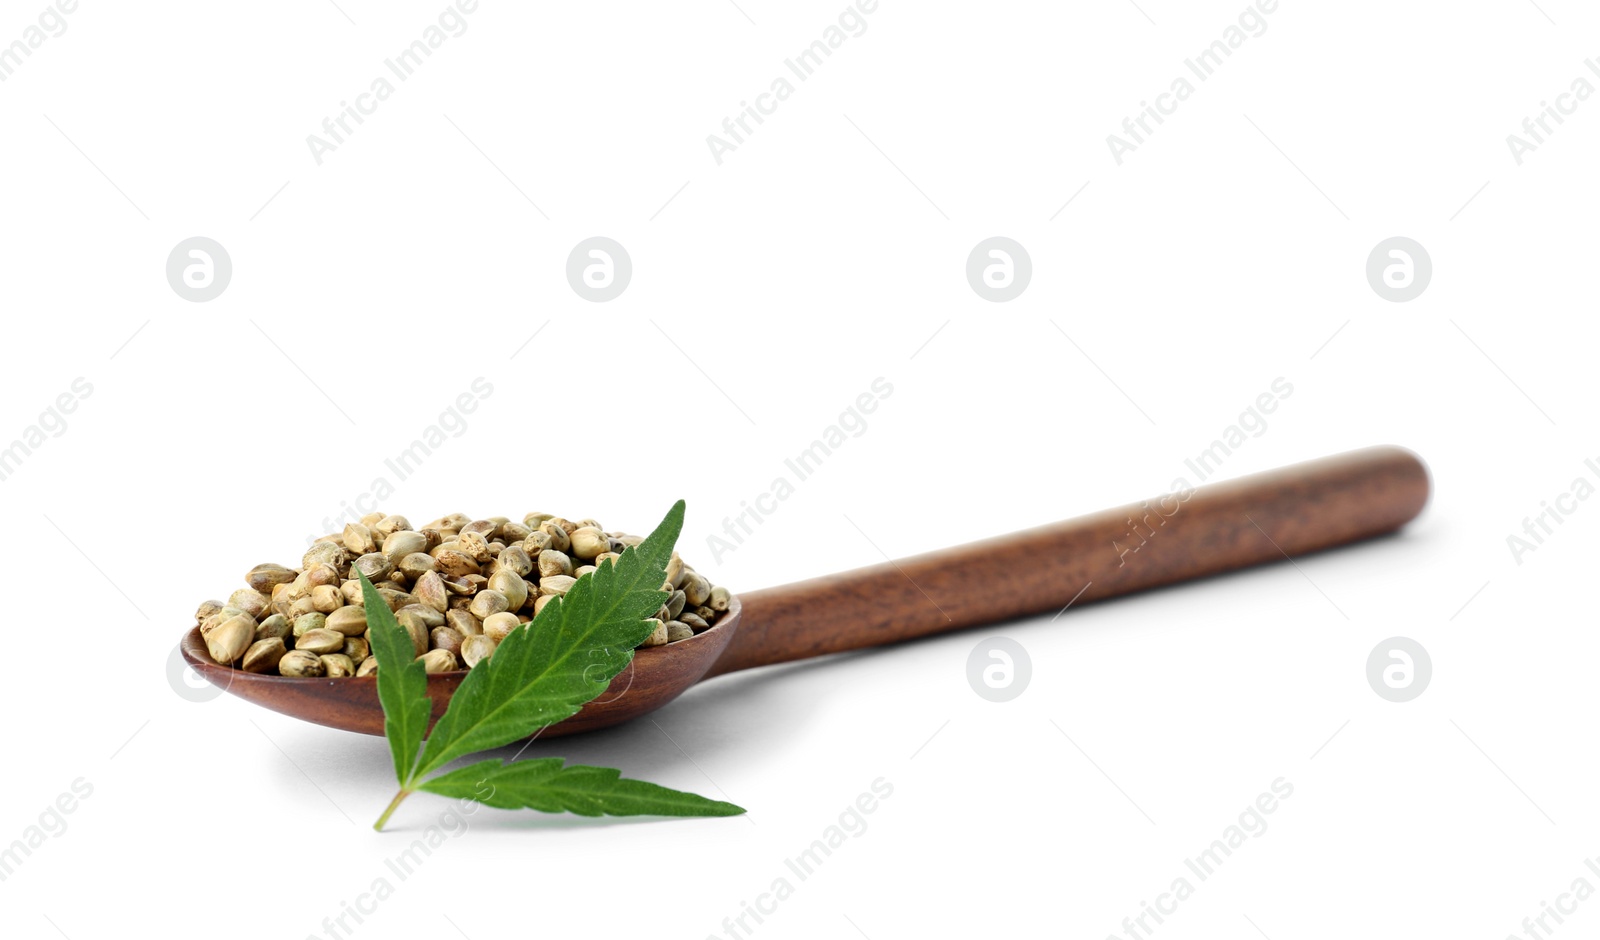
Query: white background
1227, 251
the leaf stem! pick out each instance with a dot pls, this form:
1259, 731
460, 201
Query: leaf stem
389, 810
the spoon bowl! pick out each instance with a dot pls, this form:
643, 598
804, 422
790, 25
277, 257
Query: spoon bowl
657, 675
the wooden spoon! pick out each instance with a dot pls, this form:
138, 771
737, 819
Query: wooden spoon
1216, 528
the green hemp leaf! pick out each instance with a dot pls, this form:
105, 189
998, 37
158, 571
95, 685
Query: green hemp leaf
542, 673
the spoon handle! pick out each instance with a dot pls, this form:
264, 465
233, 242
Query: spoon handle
1215, 528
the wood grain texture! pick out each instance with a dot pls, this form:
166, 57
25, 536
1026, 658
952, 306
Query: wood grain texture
1221, 527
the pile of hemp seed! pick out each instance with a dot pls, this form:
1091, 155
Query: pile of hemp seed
457, 585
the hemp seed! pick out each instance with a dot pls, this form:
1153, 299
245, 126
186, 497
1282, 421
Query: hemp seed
458, 587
